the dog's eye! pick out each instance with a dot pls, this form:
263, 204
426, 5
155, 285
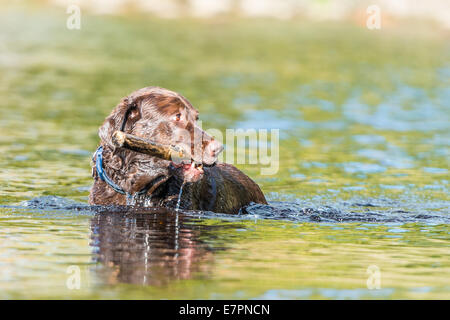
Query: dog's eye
178, 116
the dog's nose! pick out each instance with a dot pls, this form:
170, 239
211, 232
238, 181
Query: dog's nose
214, 148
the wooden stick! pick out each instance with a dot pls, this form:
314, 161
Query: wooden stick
131, 142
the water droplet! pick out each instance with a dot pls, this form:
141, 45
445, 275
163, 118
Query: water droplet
179, 197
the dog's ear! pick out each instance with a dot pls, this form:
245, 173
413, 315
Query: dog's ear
122, 118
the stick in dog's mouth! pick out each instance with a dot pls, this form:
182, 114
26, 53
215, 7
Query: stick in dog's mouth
131, 142
176, 155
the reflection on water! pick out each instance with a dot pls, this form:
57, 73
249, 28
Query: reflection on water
148, 248
285, 250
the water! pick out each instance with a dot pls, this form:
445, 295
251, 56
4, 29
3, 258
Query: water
363, 170
179, 196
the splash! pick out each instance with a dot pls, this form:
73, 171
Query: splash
357, 209
131, 199
148, 201
141, 200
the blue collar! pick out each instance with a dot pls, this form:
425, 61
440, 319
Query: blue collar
102, 174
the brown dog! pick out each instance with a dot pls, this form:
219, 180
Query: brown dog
128, 177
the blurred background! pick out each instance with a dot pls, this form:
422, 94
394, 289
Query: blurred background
352, 10
363, 113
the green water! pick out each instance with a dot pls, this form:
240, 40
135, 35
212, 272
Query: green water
363, 116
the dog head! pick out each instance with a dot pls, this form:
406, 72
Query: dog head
164, 117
